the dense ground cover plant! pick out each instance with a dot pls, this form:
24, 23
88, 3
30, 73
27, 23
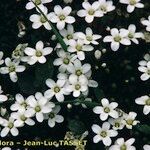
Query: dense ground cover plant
76, 70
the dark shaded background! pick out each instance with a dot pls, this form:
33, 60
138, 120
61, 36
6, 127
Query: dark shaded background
121, 66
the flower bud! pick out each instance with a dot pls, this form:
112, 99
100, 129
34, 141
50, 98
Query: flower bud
3, 111
103, 65
98, 54
69, 106
103, 50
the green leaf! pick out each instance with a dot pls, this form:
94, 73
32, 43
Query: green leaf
144, 129
76, 126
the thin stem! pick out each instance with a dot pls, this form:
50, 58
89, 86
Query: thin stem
58, 36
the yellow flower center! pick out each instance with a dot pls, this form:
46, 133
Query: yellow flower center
62, 17
42, 19
103, 8
79, 47
77, 87
37, 108
132, 2
24, 104
69, 36
148, 71
89, 38
91, 12
106, 109
12, 68
23, 118
117, 124
148, 102
51, 115
10, 125
78, 72
129, 121
66, 61
123, 147
103, 134
38, 53
37, 2
17, 52
130, 35
56, 89
117, 38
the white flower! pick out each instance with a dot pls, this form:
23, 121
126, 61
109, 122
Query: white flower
64, 61
38, 54
145, 67
18, 53
107, 109
56, 89
144, 100
146, 23
146, 147
77, 85
38, 106
3, 98
79, 47
89, 37
132, 4
129, 120
106, 6
9, 126
84, 71
39, 20
121, 144
103, 133
39, 3
133, 35
12, 68
117, 37
116, 123
20, 103
22, 118
61, 16
53, 117
68, 34
79, 70
90, 11
1, 56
